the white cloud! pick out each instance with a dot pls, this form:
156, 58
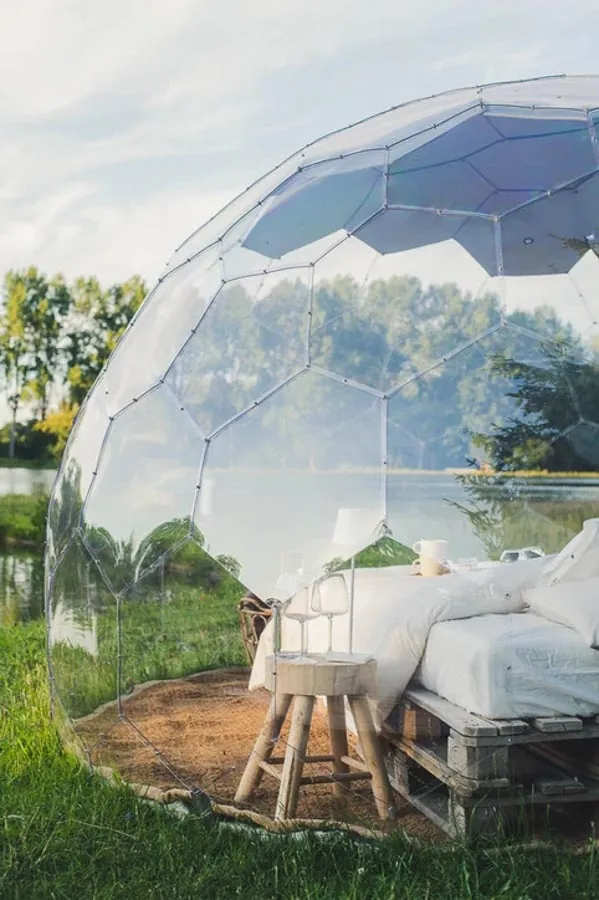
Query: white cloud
126, 124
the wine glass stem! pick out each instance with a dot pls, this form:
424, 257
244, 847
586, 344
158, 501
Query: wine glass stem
330, 633
302, 644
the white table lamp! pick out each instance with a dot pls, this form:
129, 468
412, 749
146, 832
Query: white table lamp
354, 527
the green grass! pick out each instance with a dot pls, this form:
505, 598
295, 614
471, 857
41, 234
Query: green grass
65, 834
7, 463
23, 518
162, 635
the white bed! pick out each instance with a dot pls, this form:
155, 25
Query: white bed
511, 666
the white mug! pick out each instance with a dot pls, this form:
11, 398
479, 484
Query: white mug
432, 557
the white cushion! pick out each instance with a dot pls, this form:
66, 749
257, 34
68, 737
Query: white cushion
573, 605
579, 559
507, 582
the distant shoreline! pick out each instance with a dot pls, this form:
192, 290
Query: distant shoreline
541, 474
6, 463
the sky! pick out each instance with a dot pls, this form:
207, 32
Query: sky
125, 125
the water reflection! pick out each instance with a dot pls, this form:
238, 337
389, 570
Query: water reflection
25, 481
21, 586
482, 514
75, 629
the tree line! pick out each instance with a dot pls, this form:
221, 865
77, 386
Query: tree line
55, 337
465, 379
507, 398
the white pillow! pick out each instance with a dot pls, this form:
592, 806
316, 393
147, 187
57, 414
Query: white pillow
507, 582
579, 559
576, 606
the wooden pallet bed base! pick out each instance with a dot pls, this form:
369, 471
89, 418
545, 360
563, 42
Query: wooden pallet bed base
470, 774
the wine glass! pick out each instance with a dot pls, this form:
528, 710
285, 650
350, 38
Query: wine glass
300, 608
330, 598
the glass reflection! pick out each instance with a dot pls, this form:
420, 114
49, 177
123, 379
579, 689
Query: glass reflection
144, 489
164, 323
82, 626
284, 470
252, 338
181, 617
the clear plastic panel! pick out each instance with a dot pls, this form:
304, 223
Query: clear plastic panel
144, 490
438, 173
550, 305
481, 409
529, 121
452, 185
405, 126
551, 234
164, 322
180, 618
579, 380
534, 156
438, 131
379, 318
117, 745
396, 230
592, 117
584, 275
253, 337
213, 231
82, 628
554, 91
400, 125
284, 473
76, 473
317, 201
581, 442
466, 167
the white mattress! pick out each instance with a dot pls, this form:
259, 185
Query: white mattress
511, 666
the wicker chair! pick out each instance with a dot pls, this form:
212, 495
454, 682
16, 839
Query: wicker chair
254, 615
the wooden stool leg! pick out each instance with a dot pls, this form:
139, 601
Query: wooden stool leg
265, 744
338, 738
383, 795
294, 757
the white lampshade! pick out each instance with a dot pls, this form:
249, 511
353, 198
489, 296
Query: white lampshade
355, 525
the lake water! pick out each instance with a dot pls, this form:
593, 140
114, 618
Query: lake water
25, 481
21, 587
21, 573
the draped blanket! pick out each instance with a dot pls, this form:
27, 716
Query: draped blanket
394, 612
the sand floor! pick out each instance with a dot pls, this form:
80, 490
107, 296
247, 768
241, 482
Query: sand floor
204, 728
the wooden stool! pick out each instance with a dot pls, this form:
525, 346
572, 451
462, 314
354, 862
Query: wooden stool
301, 680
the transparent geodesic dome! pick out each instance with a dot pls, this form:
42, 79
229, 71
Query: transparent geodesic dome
341, 356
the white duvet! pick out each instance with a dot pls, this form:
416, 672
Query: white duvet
394, 613
512, 667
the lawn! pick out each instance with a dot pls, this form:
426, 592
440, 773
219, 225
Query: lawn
65, 834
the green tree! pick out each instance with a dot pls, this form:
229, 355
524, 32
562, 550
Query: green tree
553, 425
45, 311
98, 321
31, 321
14, 358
